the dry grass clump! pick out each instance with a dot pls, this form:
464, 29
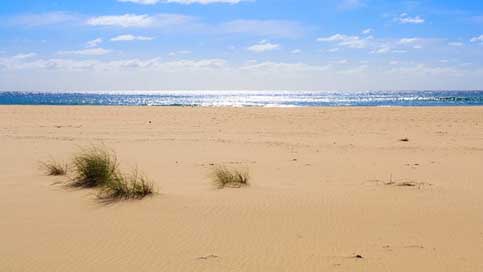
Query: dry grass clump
132, 186
54, 168
94, 167
226, 177
97, 167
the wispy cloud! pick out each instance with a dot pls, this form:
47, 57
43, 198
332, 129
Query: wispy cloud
477, 39
409, 40
263, 46
129, 37
282, 67
382, 50
377, 45
183, 23
24, 56
94, 43
404, 18
143, 20
347, 41
126, 20
415, 43
179, 52
86, 52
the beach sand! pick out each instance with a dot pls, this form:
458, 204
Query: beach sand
327, 184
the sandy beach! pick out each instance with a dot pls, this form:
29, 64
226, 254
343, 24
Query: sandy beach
327, 185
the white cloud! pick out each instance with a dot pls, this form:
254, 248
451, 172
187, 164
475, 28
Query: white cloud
126, 20
347, 41
128, 37
282, 67
25, 56
183, 23
180, 52
184, 2
477, 39
154, 64
94, 43
333, 50
367, 31
409, 40
404, 18
154, 74
296, 51
263, 46
382, 50
86, 52
143, 20
336, 38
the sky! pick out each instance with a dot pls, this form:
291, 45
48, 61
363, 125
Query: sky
319, 45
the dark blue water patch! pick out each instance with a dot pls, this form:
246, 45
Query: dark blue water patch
247, 98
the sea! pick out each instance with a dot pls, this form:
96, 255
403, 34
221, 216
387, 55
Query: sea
246, 98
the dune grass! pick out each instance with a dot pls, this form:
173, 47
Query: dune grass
134, 186
95, 167
98, 167
54, 168
225, 177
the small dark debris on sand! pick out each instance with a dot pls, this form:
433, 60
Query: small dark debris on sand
358, 256
404, 140
407, 184
211, 256
403, 183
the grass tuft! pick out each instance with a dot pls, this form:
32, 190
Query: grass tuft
54, 168
225, 177
134, 186
95, 167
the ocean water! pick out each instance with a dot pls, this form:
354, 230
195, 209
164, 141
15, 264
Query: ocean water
247, 98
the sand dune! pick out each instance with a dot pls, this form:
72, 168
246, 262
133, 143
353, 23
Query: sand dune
327, 184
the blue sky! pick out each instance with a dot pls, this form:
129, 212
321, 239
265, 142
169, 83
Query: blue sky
75, 45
